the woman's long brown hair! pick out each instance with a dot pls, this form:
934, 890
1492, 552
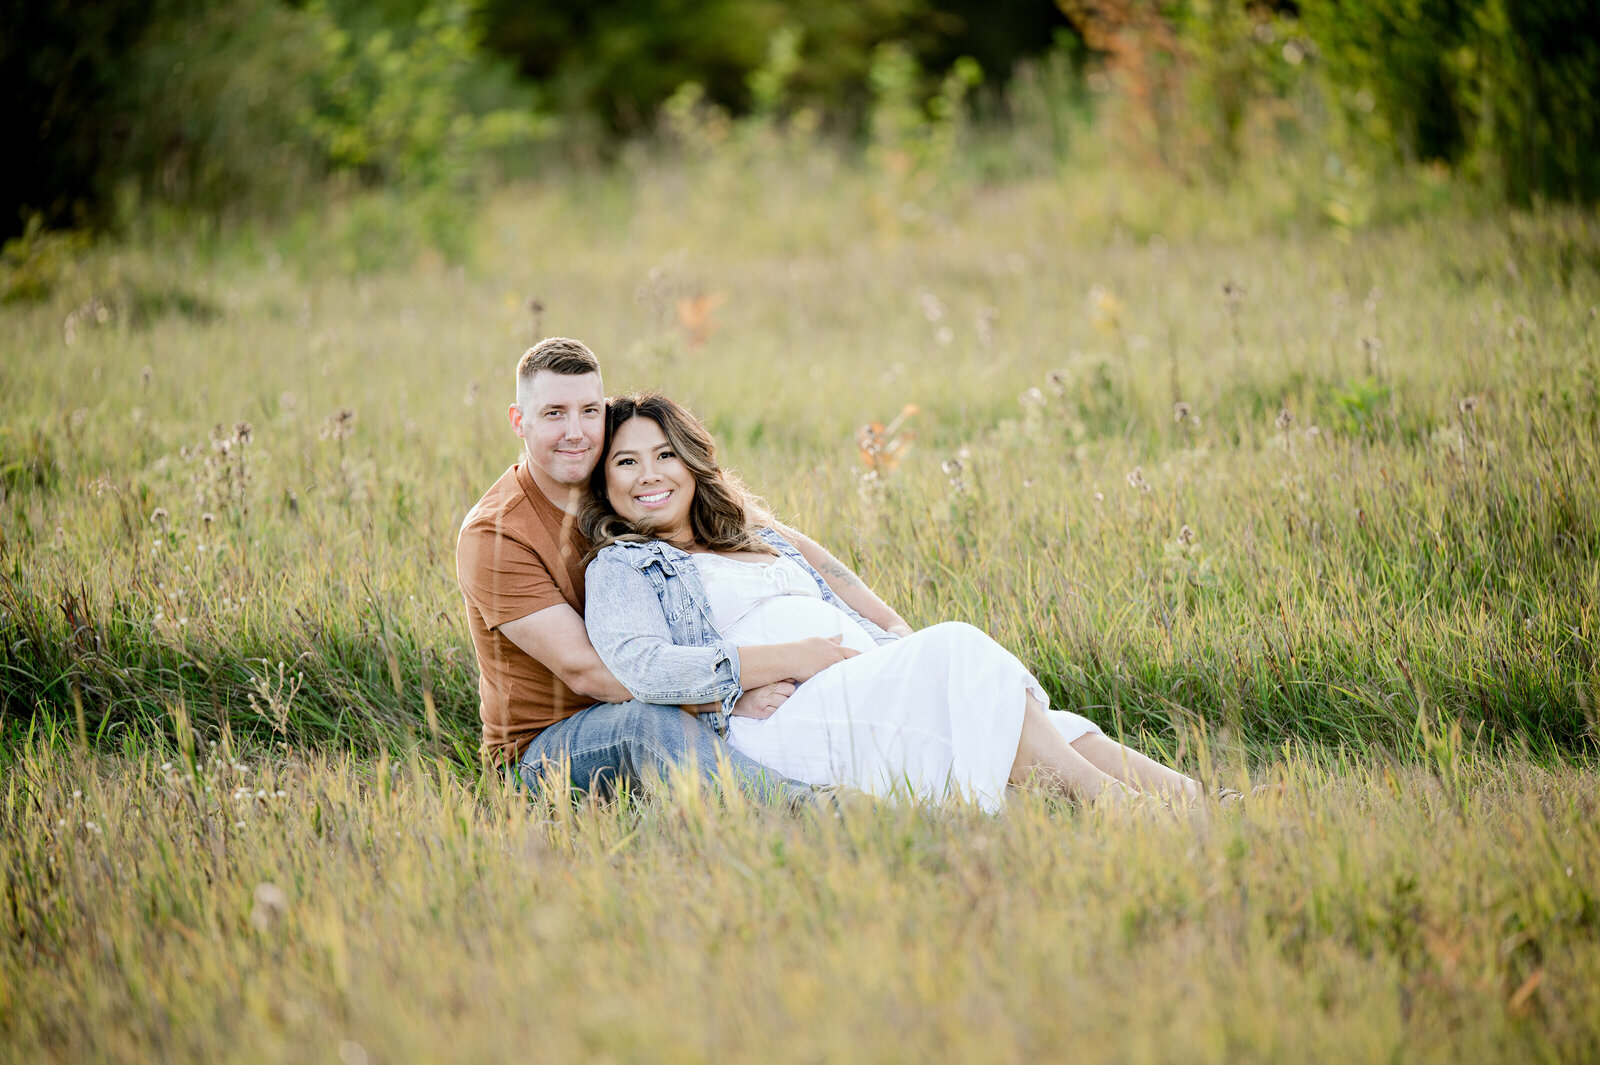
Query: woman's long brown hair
723, 516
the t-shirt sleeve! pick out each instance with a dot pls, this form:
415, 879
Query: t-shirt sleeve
503, 577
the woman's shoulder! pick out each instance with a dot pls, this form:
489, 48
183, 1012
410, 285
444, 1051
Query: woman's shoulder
623, 553
628, 554
772, 536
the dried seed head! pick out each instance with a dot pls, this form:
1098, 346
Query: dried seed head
1057, 380
1033, 397
951, 467
1180, 411
1232, 293
1186, 536
1467, 404
146, 375
1371, 345
1136, 479
160, 517
338, 425
207, 518
243, 431
1284, 420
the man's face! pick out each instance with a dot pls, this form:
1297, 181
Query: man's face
561, 419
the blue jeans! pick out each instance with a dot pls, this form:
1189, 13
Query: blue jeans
642, 743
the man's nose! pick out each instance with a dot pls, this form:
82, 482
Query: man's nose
574, 427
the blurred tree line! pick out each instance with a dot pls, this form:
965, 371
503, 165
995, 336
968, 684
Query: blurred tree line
251, 106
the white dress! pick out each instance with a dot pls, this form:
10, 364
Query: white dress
934, 715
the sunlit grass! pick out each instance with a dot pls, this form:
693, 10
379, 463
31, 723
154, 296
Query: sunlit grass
1273, 501
222, 457
307, 905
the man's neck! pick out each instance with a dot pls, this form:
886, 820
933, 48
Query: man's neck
568, 498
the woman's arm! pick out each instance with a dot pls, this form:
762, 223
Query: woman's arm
845, 584
629, 630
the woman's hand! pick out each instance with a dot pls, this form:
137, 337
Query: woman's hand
759, 703
796, 661
816, 653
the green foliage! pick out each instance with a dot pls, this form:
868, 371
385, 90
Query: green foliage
31, 265
913, 140
769, 84
250, 107
1362, 402
1507, 89
392, 109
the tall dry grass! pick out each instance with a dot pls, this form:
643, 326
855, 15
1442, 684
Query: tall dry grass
310, 906
1315, 505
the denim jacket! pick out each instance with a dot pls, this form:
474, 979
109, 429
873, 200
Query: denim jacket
649, 619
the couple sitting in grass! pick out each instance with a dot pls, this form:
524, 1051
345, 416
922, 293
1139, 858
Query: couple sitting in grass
636, 613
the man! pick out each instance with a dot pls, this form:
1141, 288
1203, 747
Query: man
546, 699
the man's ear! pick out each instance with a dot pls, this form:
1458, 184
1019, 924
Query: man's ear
514, 412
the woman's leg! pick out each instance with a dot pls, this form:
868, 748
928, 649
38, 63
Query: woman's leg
1131, 767
1044, 756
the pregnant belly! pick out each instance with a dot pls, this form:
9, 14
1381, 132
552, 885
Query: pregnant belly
796, 617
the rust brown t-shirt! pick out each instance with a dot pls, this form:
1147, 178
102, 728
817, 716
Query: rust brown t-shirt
518, 553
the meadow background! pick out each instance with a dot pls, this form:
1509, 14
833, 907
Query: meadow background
1238, 367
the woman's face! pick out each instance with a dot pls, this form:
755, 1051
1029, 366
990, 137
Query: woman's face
646, 482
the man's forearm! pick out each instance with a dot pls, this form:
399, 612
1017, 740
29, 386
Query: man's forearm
846, 585
597, 682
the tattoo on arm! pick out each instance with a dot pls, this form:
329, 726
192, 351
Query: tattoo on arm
834, 568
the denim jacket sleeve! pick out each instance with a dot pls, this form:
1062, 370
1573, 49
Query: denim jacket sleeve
665, 660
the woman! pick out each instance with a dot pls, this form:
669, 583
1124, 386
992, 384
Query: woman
690, 590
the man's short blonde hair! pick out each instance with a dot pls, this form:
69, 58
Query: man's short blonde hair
561, 355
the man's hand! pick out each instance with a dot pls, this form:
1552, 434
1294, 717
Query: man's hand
759, 703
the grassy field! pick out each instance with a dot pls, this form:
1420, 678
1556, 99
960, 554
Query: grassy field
1274, 498
311, 908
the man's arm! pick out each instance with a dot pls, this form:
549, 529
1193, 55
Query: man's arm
845, 584
555, 636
